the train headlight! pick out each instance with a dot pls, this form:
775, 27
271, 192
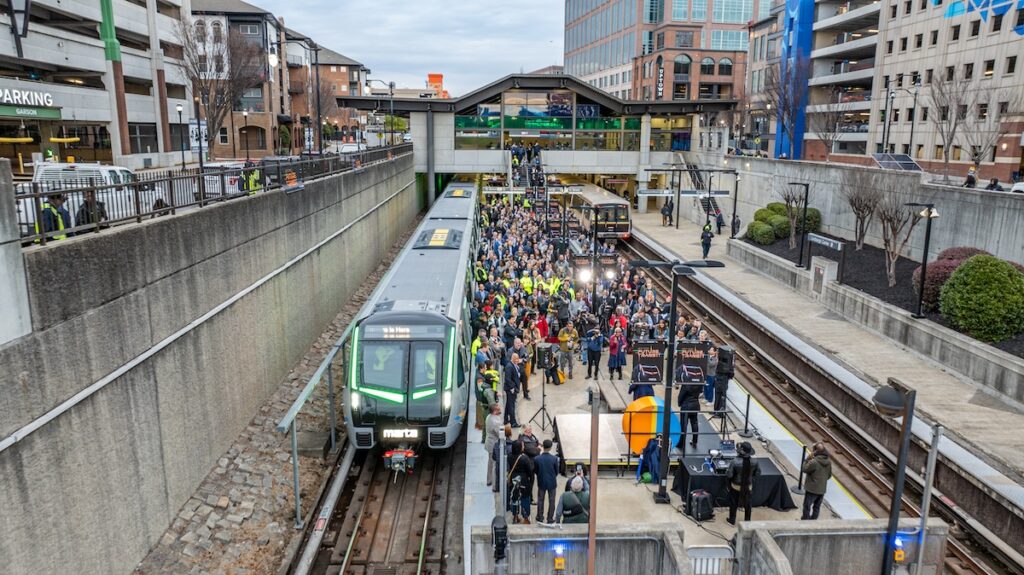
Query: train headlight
447, 400
355, 401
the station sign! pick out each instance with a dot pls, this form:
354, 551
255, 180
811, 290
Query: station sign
827, 242
656, 193
704, 193
30, 112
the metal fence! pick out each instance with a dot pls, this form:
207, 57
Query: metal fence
710, 559
90, 198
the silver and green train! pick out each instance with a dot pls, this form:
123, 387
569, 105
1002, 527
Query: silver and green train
408, 365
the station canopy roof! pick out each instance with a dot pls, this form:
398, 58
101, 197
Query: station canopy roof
469, 103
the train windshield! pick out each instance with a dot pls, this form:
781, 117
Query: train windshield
384, 364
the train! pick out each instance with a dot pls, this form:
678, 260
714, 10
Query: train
613, 218
408, 364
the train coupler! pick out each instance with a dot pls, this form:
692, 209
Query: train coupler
403, 460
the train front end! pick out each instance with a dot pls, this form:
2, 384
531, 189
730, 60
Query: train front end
400, 386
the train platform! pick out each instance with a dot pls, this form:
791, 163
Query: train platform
981, 431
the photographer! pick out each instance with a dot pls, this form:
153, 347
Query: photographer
595, 343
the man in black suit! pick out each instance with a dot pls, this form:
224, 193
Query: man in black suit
512, 384
689, 406
546, 466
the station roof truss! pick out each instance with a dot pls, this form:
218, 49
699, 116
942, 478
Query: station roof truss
469, 102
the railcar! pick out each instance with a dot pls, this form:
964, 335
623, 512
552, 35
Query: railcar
408, 367
613, 218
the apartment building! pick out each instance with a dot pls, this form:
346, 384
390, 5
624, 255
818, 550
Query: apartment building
871, 68
758, 127
64, 96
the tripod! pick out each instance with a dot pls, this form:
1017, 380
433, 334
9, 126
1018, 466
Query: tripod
542, 412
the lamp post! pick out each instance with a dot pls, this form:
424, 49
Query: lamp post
390, 124
199, 138
734, 225
889, 103
803, 223
181, 135
896, 402
929, 213
913, 114
245, 117
677, 268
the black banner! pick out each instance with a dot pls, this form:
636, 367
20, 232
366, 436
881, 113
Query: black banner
581, 261
648, 362
692, 361
607, 260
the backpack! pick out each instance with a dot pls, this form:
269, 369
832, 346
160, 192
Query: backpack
700, 505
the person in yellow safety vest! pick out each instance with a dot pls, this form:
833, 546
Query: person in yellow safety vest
506, 283
553, 285
526, 203
55, 217
479, 273
527, 284
475, 347
501, 302
253, 180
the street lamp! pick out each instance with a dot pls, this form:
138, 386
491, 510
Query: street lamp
181, 135
245, 116
803, 225
889, 103
678, 268
929, 213
391, 106
896, 402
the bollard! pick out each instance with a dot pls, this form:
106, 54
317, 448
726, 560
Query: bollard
799, 489
746, 434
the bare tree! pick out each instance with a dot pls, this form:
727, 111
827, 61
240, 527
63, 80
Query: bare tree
220, 67
785, 90
950, 98
898, 222
793, 197
826, 124
860, 188
986, 124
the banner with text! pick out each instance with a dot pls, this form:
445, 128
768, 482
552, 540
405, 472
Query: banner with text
692, 361
648, 361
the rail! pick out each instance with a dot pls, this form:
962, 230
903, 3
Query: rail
94, 198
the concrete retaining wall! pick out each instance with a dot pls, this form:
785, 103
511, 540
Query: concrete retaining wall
835, 547
96, 486
986, 220
14, 313
997, 371
654, 548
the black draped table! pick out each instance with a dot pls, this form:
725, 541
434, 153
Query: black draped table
770, 489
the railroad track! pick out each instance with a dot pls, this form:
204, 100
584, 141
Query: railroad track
860, 466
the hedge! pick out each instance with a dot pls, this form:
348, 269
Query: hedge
763, 214
780, 226
984, 298
761, 233
777, 207
939, 273
961, 253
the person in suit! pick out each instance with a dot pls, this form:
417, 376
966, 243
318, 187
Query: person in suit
689, 407
513, 383
546, 466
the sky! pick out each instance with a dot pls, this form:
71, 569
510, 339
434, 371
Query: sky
471, 42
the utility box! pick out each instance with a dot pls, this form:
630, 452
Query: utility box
823, 270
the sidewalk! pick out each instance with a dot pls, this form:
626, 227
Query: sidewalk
977, 419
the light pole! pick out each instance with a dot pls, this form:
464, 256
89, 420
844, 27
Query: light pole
889, 103
390, 123
893, 402
199, 138
245, 116
677, 268
803, 223
926, 497
913, 114
929, 213
181, 135
734, 225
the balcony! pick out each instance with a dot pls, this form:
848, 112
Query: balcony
294, 61
850, 16
852, 45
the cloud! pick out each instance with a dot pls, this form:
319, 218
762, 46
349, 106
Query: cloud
471, 42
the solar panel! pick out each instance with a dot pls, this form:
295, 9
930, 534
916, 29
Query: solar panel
901, 162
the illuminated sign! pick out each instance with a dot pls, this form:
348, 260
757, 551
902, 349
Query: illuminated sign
660, 88
401, 433
403, 331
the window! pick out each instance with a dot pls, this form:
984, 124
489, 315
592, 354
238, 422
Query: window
218, 63
961, 111
218, 32
893, 11
249, 29
885, 82
729, 40
997, 22
910, 115
950, 72
954, 33
938, 152
1020, 18
426, 365
903, 44
975, 28
918, 40
907, 6
1011, 63
924, 4
202, 63
982, 111
934, 39
733, 11
142, 138
896, 115
888, 47
659, 42
222, 136
383, 364
899, 80
684, 39
652, 11
725, 67
699, 10
201, 31
968, 70
928, 76
680, 9
707, 66
681, 65
924, 114
990, 68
